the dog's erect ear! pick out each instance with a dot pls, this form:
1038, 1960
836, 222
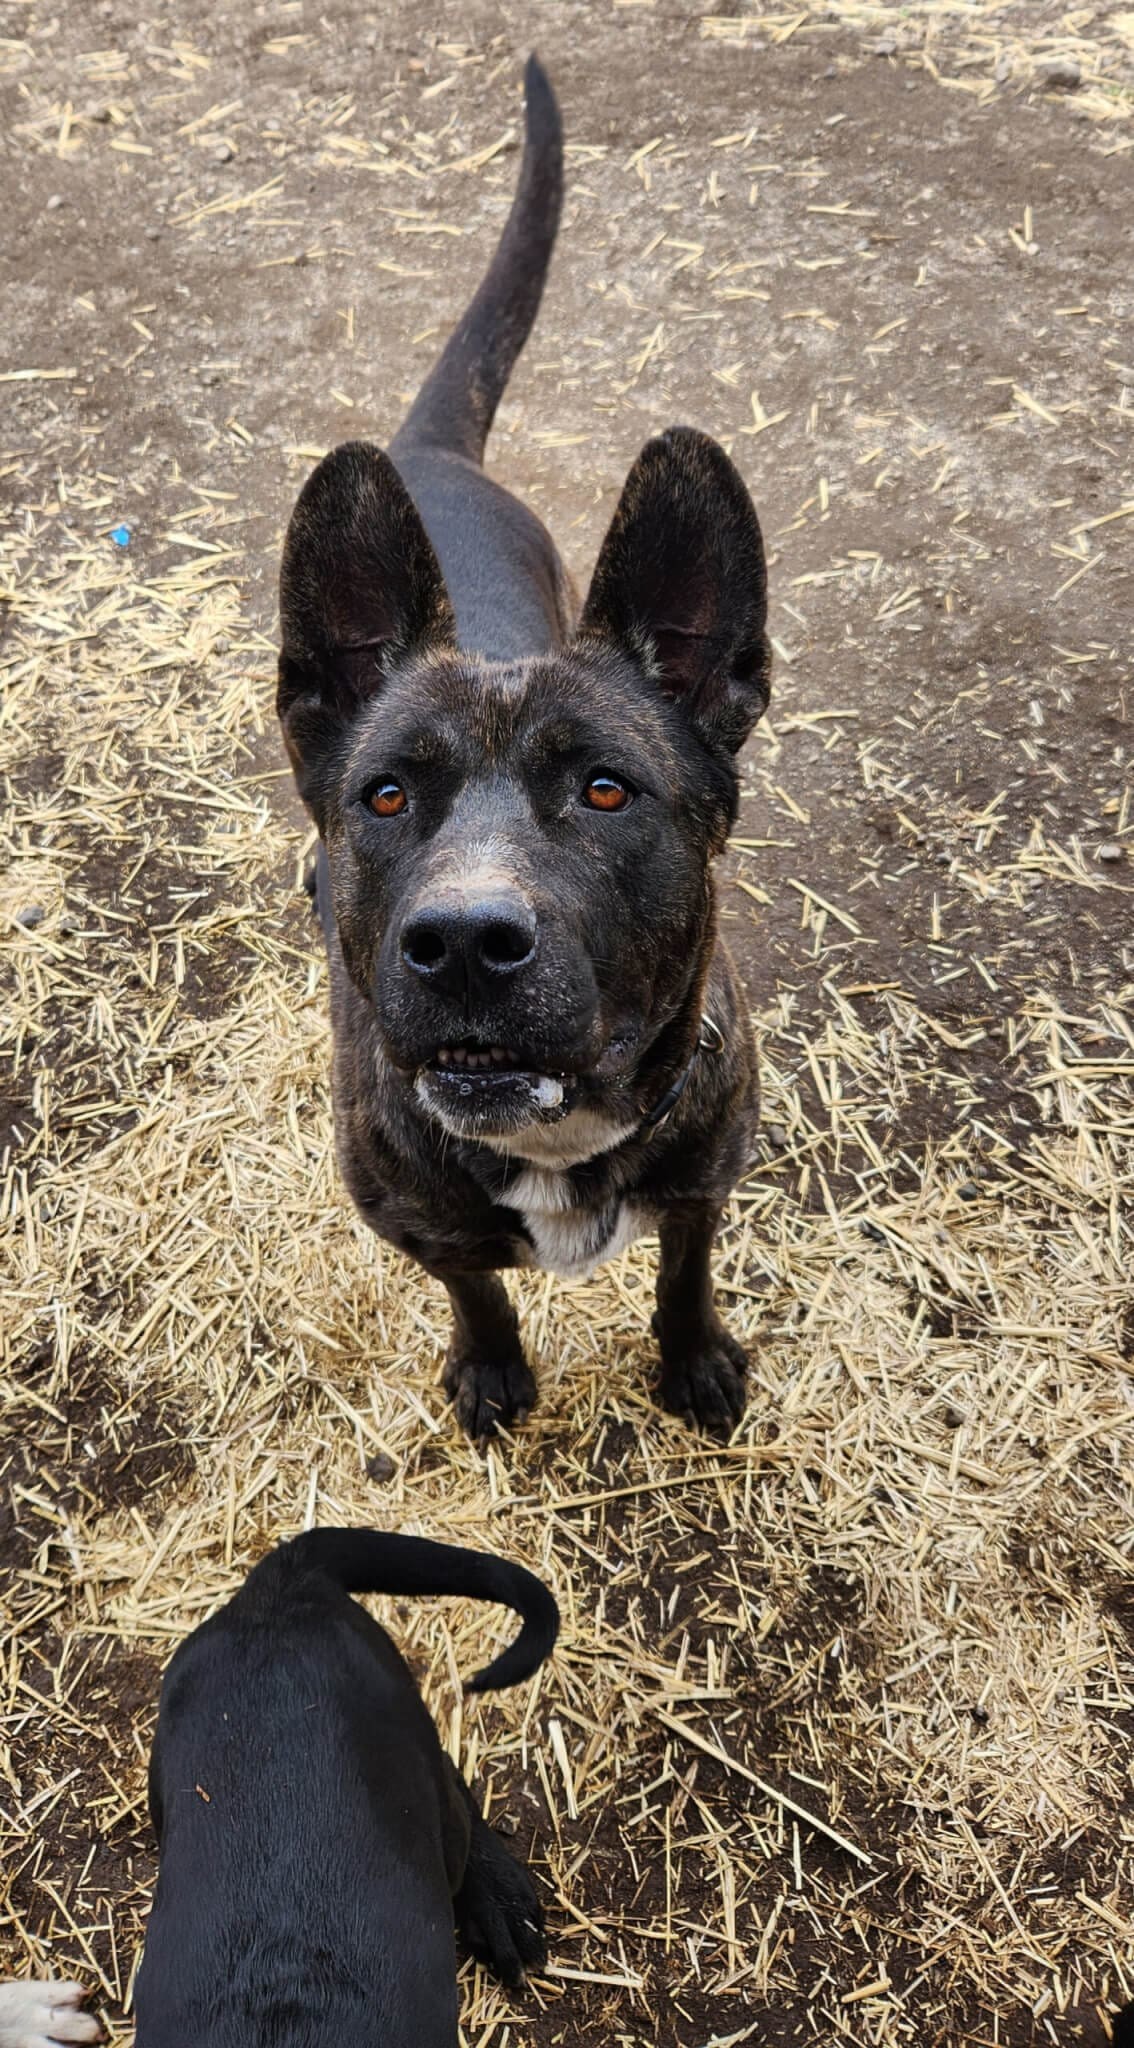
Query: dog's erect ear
681, 583
360, 588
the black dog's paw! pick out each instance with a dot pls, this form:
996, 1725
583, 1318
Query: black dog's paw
704, 1383
489, 1394
498, 1914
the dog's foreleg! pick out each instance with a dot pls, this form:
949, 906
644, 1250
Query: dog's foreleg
487, 1377
702, 1367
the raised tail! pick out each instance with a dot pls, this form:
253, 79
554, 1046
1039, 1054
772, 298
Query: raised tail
370, 1561
457, 402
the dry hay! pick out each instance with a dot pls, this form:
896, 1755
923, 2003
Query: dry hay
840, 1722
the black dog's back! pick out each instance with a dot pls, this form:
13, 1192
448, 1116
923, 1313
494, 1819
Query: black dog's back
312, 1831
508, 587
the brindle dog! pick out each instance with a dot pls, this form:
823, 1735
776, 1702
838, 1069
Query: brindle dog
540, 1048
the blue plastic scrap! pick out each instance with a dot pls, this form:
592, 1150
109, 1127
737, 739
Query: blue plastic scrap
121, 535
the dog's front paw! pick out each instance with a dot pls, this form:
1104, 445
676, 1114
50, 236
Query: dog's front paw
498, 1913
489, 1394
703, 1381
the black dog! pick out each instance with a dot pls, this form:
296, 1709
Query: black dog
541, 1051
316, 1842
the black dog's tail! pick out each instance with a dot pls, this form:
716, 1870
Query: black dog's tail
369, 1561
457, 402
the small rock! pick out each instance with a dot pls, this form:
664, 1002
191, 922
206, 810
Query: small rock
381, 1466
777, 1136
1002, 69
1059, 74
153, 234
32, 915
970, 1191
504, 1824
223, 153
954, 1418
55, 202
1110, 851
206, 375
886, 46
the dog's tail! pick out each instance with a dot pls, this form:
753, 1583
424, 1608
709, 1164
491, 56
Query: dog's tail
370, 1561
457, 402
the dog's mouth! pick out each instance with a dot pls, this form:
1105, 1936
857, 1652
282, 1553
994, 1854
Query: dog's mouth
477, 1083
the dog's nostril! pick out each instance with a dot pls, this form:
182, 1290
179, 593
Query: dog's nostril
423, 946
504, 944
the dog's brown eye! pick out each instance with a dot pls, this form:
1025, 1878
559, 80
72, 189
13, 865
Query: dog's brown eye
388, 799
604, 793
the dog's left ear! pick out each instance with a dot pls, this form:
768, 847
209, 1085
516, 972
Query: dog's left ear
681, 584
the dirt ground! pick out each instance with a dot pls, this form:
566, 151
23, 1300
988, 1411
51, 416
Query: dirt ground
884, 257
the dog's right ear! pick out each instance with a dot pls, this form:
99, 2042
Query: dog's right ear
360, 588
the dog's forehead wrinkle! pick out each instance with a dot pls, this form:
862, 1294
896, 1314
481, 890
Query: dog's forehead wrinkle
505, 683
596, 691
392, 729
468, 705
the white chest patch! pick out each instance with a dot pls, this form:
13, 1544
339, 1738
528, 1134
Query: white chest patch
568, 1240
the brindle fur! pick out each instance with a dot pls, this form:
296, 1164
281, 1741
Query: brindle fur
429, 628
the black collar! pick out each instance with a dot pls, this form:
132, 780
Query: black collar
710, 1039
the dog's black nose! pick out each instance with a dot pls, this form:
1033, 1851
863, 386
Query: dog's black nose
470, 948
